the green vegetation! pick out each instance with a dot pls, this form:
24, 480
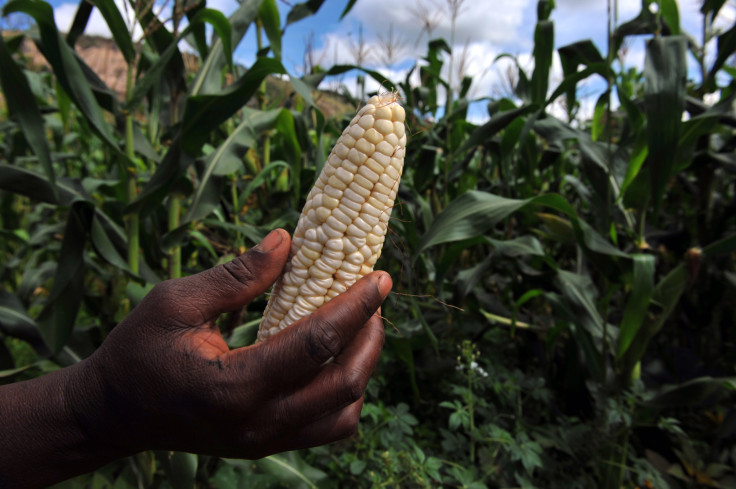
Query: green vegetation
564, 308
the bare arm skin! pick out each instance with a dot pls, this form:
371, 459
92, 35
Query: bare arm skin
165, 379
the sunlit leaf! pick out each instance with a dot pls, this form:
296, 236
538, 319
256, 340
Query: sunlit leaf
268, 14
209, 78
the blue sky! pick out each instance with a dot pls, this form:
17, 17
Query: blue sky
484, 29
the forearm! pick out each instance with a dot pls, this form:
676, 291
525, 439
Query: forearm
44, 429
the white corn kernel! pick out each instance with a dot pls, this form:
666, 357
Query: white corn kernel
384, 126
372, 136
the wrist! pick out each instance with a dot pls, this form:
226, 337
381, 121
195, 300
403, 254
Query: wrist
53, 418
102, 414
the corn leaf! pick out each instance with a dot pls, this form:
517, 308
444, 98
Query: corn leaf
79, 24
571, 57
268, 14
198, 35
692, 393
638, 303
726, 47
209, 78
665, 296
544, 41
303, 10
104, 246
33, 185
154, 72
712, 7
203, 113
111, 13
23, 107
66, 68
182, 469
664, 100
347, 8
59, 314
474, 213
484, 133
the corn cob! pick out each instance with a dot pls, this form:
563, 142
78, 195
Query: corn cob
341, 230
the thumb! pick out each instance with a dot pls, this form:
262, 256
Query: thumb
199, 298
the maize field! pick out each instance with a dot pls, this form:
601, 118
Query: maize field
563, 312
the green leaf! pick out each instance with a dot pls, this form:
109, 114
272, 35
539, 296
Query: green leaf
154, 72
726, 47
57, 318
484, 133
470, 215
183, 470
268, 14
221, 26
303, 10
571, 56
474, 213
65, 65
347, 9
290, 469
560, 229
636, 160
569, 83
209, 78
259, 179
81, 18
671, 15
316, 78
693, 392
111, 13
10, 316
198, 35
638, 302
712, 7
302, 89
203, 113
664, 100
581, 293
23, 107
357, 467
105, 248
544, 36
599, 113
665, 297
33, 185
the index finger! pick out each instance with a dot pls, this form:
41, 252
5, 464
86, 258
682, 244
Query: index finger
301, 349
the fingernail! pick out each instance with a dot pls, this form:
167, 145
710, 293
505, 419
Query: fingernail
270, 242
384, 284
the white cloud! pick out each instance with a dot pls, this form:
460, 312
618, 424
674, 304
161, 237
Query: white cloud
477, 19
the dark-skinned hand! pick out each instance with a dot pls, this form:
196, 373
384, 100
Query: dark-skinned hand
164, 378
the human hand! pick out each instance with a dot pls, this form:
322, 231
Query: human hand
167, 379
